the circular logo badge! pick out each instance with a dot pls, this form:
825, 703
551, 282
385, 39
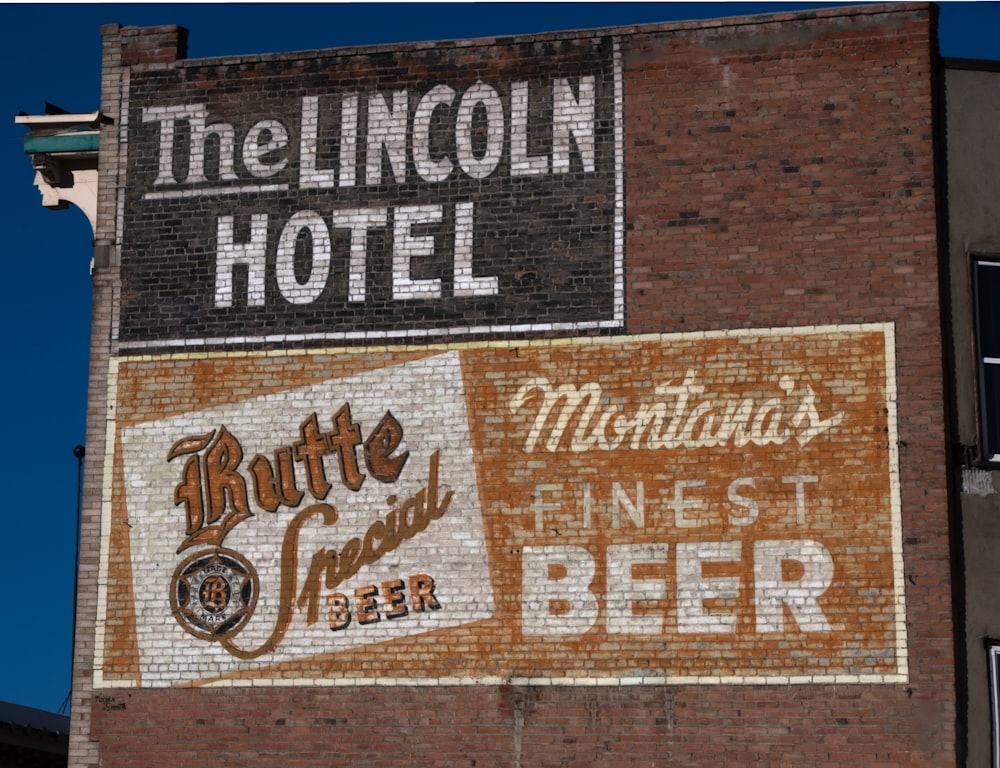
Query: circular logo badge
213, 594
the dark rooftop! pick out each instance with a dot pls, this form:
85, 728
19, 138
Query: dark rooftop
32, 738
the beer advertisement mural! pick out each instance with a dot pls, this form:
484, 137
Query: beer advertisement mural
376, 415
698, 507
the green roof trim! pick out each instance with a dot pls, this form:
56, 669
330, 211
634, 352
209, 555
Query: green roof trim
80, 141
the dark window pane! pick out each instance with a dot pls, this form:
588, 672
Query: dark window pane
988, 308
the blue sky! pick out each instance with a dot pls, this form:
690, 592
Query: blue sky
52, 52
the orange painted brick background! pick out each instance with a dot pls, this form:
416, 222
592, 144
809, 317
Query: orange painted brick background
688, 506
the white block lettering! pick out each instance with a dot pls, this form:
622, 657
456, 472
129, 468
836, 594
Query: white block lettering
540, 506
428, 168
485, 96
623, 592
386, 130
800, 494
680, 505
521, 163
349, 116
262, 141
693, 588
800, 595
309, 176
321, 249
359, 221
636, 511
406, 246
168, 117
573, 117
555, 594
465, 283
252, 254
751, 506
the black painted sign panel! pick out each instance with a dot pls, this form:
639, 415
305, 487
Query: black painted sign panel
352, 197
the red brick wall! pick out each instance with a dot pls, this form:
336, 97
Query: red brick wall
778, 173
783, 175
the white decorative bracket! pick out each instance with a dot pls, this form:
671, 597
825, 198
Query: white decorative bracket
63, 150
81, 191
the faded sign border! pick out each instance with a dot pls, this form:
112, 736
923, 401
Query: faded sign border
901, 676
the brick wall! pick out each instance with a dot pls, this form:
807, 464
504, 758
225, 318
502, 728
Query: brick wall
598, 422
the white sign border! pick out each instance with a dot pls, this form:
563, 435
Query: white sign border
902, 667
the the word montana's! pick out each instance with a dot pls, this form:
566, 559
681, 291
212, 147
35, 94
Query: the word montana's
582, 415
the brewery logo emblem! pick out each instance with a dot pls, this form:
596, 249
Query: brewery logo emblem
213, 593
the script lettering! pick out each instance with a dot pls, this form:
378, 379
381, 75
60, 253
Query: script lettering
728, 420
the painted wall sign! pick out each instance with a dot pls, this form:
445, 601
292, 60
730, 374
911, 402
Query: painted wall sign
457, 198
703, 507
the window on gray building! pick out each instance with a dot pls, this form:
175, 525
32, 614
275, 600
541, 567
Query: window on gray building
986, 283
993, 649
